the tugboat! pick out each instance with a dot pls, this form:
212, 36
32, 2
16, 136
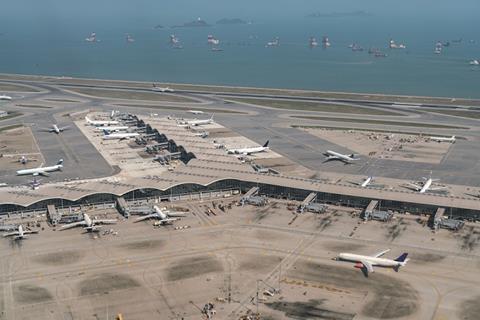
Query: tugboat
175, 42
438, 47
92, 38
313, 42
129, 39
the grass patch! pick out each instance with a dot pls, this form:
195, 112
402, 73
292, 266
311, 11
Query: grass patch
10, 87
131, 95
376, 130
33, 106
11, 115
458, 113
179, 108
13, 126
380, 122
313, 106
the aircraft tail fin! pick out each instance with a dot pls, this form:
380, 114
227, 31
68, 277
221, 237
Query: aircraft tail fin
60, 162
402, 258
266, 144
211, 118
105, 132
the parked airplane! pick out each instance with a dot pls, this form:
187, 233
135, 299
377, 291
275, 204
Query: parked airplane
251, 150
332, 155
112, 128
98, 123
195, 111
88, 223
20, 233
200, 122
452, 139
366, 182
41, 170
24, 160
164, 217
423, 187
5, 97
55, 128
119, 136
366, 263
162, 89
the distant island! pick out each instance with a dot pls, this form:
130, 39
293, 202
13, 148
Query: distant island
196, 23
231, 21
359, 13
158, 26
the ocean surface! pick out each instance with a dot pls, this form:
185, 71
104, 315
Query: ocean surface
61, 50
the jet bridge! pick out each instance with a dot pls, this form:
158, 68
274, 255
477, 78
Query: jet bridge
53, 215
250, 193
122, 207
369, 210
437, 218
311, 197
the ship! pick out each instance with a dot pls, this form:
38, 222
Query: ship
394, 45
129, 39
274, 43
475, 62
92, 37
313, 42
326, 42
212, 40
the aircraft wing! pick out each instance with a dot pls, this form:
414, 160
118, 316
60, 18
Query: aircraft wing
413, 186
10, 234
368, 266
176, 214
146, 217
437, 188
64, 128
30, 231
381, 253
167, 220
73, 225
43, 173
105, 221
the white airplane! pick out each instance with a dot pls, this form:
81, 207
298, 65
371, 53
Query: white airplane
119, 136
41, 170
332, 155
164, 217
367, 263
452, 139
365, 182
25, 160
55, 128
88, 223
251, 150
112, 128
98, 123
4, 97
200, 122
425, 186
20, 233
162, 89
195, 111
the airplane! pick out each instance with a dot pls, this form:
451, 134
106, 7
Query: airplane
112, 128
20, 233
251, 150
162, 89
56, 129
41, 170
164, 217
332, 155
195, 111
452, 139
366, 263
365, 182
200, 122
5, 97
119, 136
425, 186
24, 160
98, 123
88, 223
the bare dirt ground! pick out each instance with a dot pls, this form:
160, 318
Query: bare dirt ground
16, 143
